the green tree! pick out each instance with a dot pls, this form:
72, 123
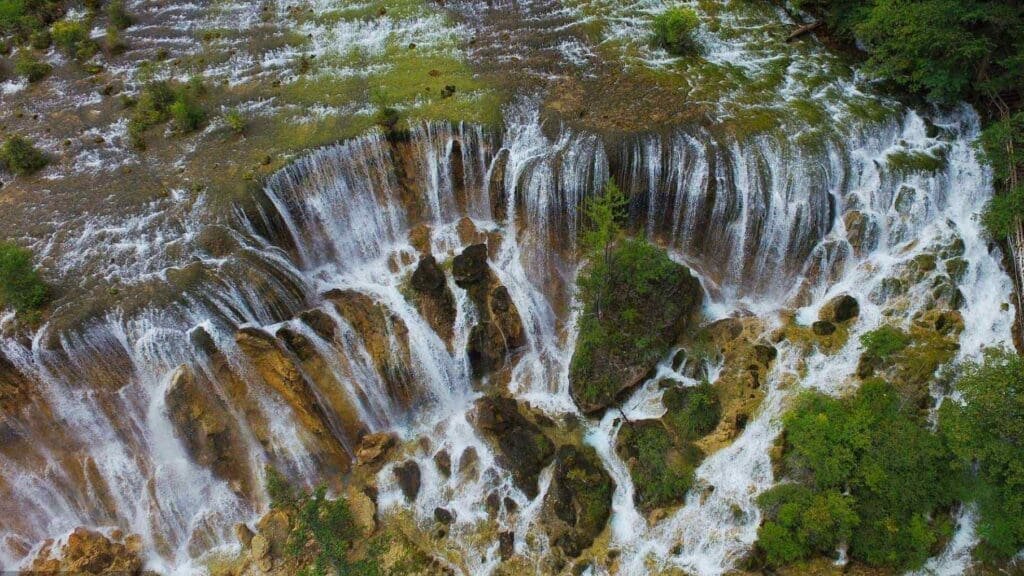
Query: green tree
986, 432
604, 214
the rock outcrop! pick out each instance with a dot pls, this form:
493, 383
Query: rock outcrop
89, 552
578, 502
639, 304
499, 332
433, 299
522, 447
282, 375
207, 429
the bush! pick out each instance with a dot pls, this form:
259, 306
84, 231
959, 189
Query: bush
40, 39
30, 67
117, 15
803, 522
161, 101
72, 37
985, 433
20, 285
21, 157
280, 491
884, 341
674, 29
235, 121
692, 412
662, 469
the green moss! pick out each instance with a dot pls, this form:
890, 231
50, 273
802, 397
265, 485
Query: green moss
673, 30
884, 341
905, 161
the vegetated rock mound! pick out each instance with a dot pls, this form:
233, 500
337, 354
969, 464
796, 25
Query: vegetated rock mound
635, 306
578, 502
521, 445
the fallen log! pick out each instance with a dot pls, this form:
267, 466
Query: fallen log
805, 29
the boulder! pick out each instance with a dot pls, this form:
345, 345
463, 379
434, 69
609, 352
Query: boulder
373, 448
470, 267
90, 552
823, 328
443, 461
443, 516
840, 309
433, 299
408, 476
521, 446
578, 502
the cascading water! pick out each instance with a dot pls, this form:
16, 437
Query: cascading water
253, 299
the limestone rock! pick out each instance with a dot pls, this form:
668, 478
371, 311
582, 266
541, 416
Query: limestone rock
374, 448
90, 552
522, 447
470, 267
433, 298
840, 309
206, 427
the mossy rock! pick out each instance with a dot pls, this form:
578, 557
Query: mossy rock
578, 503
662, 468
522, 447
691, 411
636, 305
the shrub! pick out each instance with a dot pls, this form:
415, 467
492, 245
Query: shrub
30, 67
161, 101
117, 15
674, 29
802, 522
985, 433
280, 491
187, 114
235, 121
114, 43
662, 470
72, 37
21, 157
21, 287
884, 341
40, 39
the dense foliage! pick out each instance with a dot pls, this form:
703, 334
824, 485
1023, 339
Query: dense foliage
20, 285
864, 471
22, 18
1002, 146
674, 29
20, 156
986, 431
661, 468
29, 67
691, 412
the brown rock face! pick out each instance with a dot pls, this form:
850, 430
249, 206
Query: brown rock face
89, 552
14, 387
374, 448
840, 309
522, 447
207, 429
408, 476
378, 328
500, 330
433, 298
281, 374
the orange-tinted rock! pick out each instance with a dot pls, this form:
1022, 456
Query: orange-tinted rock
90, 552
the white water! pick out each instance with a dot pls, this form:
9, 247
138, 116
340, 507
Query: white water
760, 219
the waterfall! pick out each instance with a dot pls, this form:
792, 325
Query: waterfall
307, 280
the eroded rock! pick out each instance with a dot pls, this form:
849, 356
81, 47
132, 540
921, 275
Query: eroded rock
90, 552
578, 502
522, 447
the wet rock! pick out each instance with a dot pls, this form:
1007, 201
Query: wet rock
428, 277
468, 463
765, 353
492, 503
506, 544
521, 446
840, 309
90, 552
470, 267
374, 448
244, 534
578, 502
861, 232
321, 323
823, 328
408, 476
956, 268
443, 516
443, 461
510, 505
946, 294
206, 427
